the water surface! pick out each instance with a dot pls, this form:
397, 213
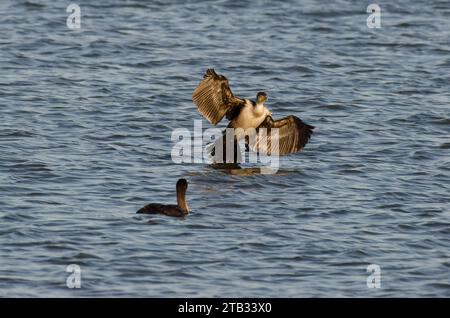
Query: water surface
86, 121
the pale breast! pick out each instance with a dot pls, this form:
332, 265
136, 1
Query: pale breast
251, 116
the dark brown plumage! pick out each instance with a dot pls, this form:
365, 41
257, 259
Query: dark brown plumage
293, 135
215, 100
179, 210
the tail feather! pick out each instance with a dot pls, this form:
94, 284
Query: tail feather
221, 156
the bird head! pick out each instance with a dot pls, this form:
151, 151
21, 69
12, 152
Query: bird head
182, 185
261, 97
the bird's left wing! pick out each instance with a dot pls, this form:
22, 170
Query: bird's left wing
293, 135
214, 98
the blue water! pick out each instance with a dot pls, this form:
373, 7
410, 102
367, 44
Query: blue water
86, 121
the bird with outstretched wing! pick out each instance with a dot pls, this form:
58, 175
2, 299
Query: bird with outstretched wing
215, 100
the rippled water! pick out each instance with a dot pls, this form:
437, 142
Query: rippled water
86, 121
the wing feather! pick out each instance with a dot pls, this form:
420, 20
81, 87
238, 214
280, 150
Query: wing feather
214, 98
293, 135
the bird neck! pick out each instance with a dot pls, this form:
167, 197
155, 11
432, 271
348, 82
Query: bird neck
181, 200
259, 108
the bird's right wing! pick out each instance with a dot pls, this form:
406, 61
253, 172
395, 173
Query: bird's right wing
214, 98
